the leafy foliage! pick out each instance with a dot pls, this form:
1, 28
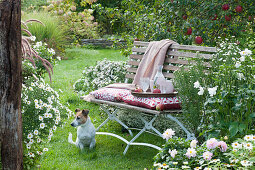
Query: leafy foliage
50, 32
156, 20
104, 73
28, 52
76, 21
192, 103
41, 113
223, 98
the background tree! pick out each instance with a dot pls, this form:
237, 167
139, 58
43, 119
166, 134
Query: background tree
10, 85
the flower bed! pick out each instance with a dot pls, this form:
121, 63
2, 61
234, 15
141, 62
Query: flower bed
42, 113
180, 154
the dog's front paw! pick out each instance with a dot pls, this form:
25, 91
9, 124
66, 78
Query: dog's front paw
70, 138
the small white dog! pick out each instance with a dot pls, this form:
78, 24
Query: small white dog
85, 132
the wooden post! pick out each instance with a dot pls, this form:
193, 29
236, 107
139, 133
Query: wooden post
10, 85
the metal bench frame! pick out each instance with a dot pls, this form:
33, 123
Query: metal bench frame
177, 56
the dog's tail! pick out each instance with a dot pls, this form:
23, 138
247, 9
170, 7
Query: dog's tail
70, 138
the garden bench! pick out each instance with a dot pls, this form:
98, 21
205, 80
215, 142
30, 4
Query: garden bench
176, 57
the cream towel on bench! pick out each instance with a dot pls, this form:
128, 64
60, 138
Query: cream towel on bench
154, 55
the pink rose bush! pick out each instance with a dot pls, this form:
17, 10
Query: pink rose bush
212, 154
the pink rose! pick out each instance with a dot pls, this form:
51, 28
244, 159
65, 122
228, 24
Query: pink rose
223, 146
212, 143
207, 155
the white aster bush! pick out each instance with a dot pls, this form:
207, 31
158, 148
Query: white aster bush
104, 73
178, 153
220, 101
42, 114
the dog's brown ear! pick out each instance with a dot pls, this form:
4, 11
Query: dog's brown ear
85, 112
77, 110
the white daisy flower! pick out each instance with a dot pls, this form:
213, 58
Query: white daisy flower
37, 106
39, 153
28, 146
30, 88
51, 134
31, 141
40, 118
165, 166
45, 149
236, 145
40, 101
248, 137
38, 140
185, 167
36, 132
30, 135
49, 115
54, 127
45, 115
30, 154
42, 125
248, 146
245, 163
36, 101
28, 102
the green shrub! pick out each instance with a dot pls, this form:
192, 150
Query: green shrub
32, 4
46, 54
231, 106
104, 73
51, 32
220, 102
156, 20
42, 113
77, 24
192, 103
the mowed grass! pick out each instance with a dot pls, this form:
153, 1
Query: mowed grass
108, 153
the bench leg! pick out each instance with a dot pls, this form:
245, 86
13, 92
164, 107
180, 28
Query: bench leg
111, 116
147, 125
190, 136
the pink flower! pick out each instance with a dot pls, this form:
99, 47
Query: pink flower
191, 152
168, 134
223, 146
73, 8
207, 155
212, 143
173, 153
193, 143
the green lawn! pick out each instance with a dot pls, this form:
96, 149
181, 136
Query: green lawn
108, 151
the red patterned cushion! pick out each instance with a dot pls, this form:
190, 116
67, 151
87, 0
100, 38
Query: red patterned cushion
110, 94
152, 102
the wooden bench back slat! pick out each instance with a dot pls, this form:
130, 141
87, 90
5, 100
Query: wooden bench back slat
177, 56
181, 47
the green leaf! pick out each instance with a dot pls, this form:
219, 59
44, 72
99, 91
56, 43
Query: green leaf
233, 129
252, 115
242, 127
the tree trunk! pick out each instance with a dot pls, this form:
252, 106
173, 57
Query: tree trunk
10, 85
